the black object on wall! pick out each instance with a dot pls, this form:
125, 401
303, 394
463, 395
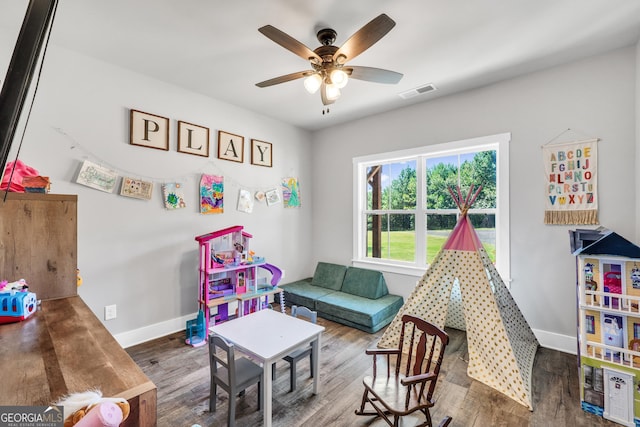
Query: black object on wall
33, 35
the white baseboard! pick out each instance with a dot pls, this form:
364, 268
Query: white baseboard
157, 330
564, 343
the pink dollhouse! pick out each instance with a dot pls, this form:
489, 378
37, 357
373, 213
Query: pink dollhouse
228, 273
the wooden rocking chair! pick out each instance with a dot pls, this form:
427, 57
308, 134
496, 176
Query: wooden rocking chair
410, 387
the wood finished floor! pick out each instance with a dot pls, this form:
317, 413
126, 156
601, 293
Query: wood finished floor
181, 374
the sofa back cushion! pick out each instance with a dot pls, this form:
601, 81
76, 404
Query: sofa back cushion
364, 283
329, 275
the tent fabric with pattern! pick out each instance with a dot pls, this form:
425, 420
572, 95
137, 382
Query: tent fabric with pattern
462, 289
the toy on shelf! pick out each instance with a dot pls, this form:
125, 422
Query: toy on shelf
276, 273
17, 286
259, 299
276, 276
36, 184
608, 295
16, 302
220, 288
196, 331
228, 273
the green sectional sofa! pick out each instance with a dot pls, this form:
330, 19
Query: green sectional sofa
353, 296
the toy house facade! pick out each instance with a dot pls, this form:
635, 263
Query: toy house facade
222, 272
228, 274
608, 291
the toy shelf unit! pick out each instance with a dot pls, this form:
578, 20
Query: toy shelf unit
608, 294
228, 273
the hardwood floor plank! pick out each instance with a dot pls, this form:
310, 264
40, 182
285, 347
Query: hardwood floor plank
181, 374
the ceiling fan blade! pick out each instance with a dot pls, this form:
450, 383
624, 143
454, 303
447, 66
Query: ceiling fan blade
370, 74
288, 42
285, 78
323, 95
365, 37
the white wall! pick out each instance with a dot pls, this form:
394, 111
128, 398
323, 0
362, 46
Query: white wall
595, 97
134, 253
137, 255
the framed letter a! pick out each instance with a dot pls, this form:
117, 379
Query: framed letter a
230, 147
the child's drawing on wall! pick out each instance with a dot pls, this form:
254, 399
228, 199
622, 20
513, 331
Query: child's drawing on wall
173, 196
211, 194
291, 193
245, 201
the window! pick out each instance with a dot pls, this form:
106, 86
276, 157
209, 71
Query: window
590, 323
391, 210
403, 212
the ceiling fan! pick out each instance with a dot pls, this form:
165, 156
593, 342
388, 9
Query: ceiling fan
329, 71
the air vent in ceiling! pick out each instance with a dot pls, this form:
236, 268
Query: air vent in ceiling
417, 91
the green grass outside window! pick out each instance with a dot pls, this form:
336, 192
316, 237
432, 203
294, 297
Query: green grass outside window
402, 244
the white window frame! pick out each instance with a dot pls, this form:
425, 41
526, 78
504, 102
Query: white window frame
498, 142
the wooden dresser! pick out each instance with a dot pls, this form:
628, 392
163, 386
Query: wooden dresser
38, 242
63, 347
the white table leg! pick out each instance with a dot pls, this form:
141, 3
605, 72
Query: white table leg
268, 392
315, 349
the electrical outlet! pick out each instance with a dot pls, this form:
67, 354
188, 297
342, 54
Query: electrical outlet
110, 312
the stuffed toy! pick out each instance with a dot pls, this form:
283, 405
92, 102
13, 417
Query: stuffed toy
90, 409
15, 171
17, 286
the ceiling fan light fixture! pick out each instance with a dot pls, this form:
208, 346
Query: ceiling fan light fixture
312, 83
339, 78
333, 92
329, 72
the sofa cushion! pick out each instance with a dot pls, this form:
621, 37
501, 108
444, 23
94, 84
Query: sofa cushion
364, 283
303, 293
329, 275
370, 329
368, 312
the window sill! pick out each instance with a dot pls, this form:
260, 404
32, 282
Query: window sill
407, 270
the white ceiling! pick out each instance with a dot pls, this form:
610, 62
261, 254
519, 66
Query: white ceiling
214, 48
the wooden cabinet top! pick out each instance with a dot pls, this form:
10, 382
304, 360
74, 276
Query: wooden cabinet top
38, 196
63, 348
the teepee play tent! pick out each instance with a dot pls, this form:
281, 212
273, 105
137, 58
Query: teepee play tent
501, 345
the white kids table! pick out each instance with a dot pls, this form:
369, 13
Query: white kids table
268, 336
